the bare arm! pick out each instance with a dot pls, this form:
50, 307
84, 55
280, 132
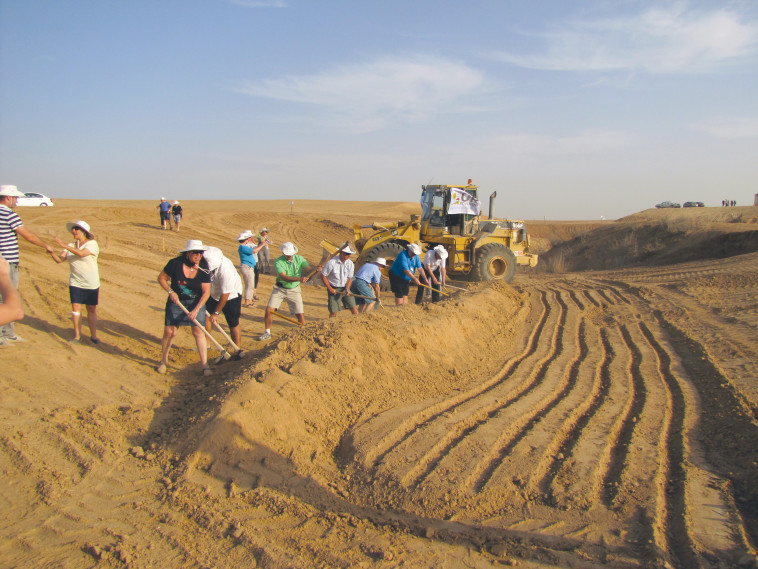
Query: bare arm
78, 252
11, 308
33, 239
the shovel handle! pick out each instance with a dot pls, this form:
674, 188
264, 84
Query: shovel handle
435, 290
218, 346
225, 335
286, 318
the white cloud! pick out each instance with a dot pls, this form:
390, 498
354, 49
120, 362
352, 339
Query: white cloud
729, 127
366, 97
671, 40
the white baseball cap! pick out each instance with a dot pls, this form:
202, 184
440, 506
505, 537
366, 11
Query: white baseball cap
245, 235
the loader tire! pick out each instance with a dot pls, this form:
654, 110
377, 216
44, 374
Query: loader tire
389, 251
494, 261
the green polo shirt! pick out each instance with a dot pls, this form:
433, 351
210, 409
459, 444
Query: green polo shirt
291, 268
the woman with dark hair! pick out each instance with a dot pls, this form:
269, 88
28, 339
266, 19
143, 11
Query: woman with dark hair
84, 282
187, 281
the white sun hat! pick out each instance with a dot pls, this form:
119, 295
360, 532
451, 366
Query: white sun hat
83, 224
245, 235
415, 248
193, 245
11, 191
213, 256
348, 250
441, 252
381, 261
289, 248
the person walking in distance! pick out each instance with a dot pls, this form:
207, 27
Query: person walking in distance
434, 268
11, 227
164, 209
289, 269
337, 276
84, 282
176, 213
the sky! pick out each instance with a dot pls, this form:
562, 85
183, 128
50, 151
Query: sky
568, 109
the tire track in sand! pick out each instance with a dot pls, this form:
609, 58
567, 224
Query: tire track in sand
397, 434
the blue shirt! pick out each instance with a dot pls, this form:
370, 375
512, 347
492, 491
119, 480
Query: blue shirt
403, 263
246, 256
370, 273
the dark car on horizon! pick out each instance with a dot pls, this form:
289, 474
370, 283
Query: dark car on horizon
667, 204
694, 204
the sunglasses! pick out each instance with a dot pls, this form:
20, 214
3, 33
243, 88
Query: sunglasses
195, 252
75, 228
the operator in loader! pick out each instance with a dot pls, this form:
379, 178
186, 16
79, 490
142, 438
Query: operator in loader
402, 273
434, 267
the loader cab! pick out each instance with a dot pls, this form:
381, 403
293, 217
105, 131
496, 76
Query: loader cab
435, 219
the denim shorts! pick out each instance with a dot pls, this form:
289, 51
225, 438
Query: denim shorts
175, 316
359, 286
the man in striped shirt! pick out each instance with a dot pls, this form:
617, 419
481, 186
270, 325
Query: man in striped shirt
10, 228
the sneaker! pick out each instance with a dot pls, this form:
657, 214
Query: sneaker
5, 343
74, 341
15, 339
265, 336
207, 371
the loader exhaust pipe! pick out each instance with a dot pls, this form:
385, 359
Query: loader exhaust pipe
493, 195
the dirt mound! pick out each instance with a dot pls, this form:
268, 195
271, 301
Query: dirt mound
655, 238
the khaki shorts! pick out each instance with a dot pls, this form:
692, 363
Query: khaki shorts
292, 295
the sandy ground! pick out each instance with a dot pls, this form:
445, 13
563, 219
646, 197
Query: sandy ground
574, 419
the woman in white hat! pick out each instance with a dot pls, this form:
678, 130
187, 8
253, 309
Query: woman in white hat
84, 281
187, 281
248, 261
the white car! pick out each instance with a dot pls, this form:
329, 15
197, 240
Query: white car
34, 199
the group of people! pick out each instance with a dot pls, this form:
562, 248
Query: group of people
201, 283
728, 203
81, 253
169, 212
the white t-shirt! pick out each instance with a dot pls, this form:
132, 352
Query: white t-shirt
84, 272
432, 261
226, 279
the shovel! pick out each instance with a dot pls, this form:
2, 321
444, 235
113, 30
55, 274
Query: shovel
275, 313
430, 288
238, 352
224, 354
